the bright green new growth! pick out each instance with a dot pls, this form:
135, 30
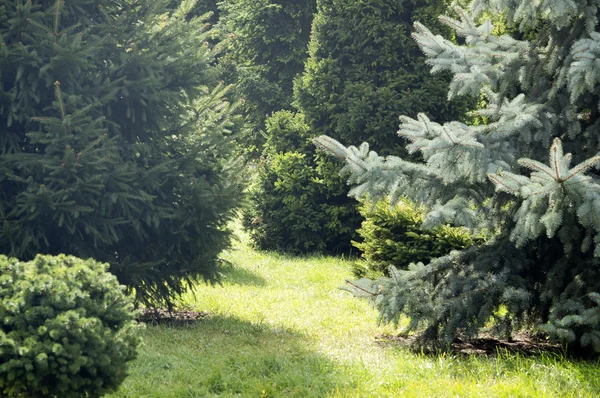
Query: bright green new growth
392, 237
509, 177
67, 328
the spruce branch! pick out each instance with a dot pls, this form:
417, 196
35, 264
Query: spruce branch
61, 105
57, 17
39, 25
583, 167
584, 71
360, 288
420, 33
537, 166
557, 173
331, 146
549, 193
50, 121
502, 184
59, 98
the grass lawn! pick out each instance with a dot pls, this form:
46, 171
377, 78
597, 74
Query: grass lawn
280, 327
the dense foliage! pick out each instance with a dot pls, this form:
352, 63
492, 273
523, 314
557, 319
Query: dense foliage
511, 176
267, 48
114, 140
392, 237
362, 72
290, 209
67, 328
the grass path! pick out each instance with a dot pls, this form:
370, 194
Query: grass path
280, 327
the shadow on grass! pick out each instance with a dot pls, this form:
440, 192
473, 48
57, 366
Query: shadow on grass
487, 346
230, 273
224, 356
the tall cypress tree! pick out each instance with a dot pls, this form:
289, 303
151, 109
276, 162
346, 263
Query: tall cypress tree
114, 140
526, 176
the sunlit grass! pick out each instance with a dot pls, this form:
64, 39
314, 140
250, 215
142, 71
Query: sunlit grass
280, 327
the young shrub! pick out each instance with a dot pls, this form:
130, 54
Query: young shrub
67, 328
284, 216
291, 209
392, 236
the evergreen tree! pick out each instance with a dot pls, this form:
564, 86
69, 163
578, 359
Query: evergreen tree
206, 8
114, 140
363, 71
267, 48
392, 236
511, 177
291, 209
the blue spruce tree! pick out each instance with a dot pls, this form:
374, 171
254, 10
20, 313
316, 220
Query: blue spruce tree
526, 177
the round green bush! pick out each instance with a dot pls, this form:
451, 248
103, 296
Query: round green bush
67, 329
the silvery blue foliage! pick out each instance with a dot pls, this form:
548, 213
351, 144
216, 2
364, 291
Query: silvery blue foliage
527, 176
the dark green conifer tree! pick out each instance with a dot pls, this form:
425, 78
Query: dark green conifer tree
267, 48
114, 140
362, 72
289, 209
